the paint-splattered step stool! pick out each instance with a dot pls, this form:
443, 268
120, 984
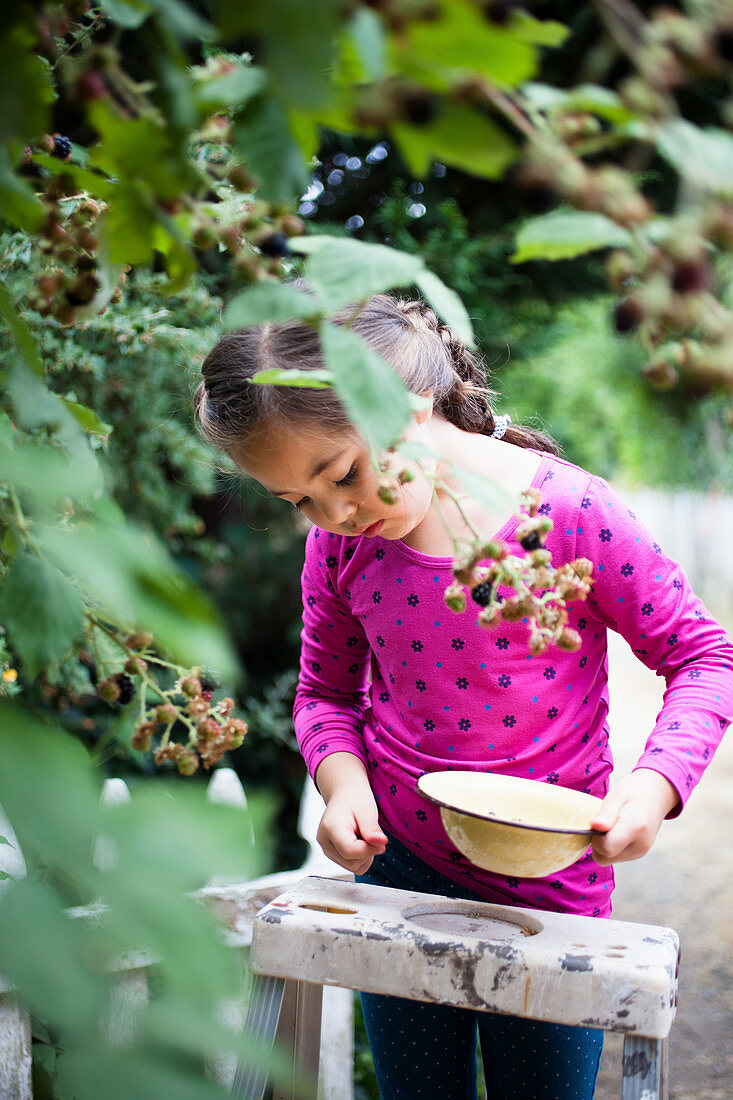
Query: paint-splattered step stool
567, 969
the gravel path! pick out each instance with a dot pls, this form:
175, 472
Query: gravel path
686, 883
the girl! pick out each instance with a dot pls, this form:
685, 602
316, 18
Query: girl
393, 684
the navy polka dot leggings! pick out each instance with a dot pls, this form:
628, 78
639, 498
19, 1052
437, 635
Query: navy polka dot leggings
429, 1051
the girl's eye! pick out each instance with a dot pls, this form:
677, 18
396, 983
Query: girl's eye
302, 503
350, 477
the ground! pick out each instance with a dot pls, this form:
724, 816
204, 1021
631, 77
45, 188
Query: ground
685, 883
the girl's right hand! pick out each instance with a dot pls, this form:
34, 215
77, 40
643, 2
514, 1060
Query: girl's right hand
349, 832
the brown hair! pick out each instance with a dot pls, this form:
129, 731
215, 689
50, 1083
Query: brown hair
424, 353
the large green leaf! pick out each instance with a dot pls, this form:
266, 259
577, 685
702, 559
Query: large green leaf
374, 398
43, 953
308, 379
18, 201
26, 91
342, 270
585, 97
448, 305
44, 767
563, 234
233, 89
460, 39
140, 149
20, 332
269, 302
129, 14
264, 138
367, 33
705, 157
132, 577
459, 136
41, 610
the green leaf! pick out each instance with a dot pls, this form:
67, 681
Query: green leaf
18, 202
87, 418
43, 953
26, 91
231, 90
448, 305
299, 49
129, 226
586, 97
459, 136
44, 473
41, 610
20, 333
561, 235
129, 14
84, 179
705, 157
374, 398
269, 302
263, 136
182, 19
4, 840
342, 270
309, 379
141, 151
461, 40
132, 577
43, 766
368, 36
539, 32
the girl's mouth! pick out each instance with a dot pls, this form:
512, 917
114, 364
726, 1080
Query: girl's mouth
372, 530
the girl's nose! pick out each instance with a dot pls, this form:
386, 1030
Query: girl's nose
338, 512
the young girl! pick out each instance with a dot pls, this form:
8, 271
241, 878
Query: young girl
393, 684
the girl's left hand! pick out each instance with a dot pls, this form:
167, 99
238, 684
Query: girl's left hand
630, 816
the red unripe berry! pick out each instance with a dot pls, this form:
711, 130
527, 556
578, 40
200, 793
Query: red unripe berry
690, 276
91, 85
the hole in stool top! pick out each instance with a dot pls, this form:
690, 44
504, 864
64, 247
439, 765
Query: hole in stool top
457, 919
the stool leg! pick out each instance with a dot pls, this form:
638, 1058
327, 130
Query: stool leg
642, 1069
299, 1038
262, 1018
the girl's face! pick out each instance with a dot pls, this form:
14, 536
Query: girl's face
332, 480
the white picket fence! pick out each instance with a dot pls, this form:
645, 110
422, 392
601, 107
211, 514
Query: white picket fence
696, 529
241, 901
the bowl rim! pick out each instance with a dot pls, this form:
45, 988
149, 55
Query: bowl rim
502, 820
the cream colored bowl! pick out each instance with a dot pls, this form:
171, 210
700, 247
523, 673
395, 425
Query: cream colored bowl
512, 826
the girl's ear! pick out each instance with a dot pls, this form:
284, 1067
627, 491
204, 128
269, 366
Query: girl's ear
424, 409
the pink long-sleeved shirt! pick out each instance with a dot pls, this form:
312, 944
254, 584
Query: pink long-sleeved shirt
390, 674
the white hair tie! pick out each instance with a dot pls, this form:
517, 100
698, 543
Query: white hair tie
501, 423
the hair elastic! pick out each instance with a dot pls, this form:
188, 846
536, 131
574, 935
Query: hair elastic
501, 423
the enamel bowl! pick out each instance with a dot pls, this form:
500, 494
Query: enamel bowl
512, 826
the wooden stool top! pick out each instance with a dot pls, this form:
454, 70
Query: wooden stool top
567, 969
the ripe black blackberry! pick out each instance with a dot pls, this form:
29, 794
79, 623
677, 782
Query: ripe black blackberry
127, 688
532, 541
628, 315
418, 106
61, 147
482, 593
275, 245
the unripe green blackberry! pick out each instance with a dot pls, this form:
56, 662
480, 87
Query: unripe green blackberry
109, 689
139, 640
455, 598
210, 679
143, 735
190, 686
166, 714
187, 763
569, 640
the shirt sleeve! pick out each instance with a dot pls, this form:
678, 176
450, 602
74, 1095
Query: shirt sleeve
332, 691
644, 595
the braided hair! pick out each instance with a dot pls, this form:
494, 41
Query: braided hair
426, 354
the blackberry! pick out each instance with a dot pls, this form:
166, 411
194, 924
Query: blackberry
689, 276
628, 315
724, 43
418, 106
127, 688
61, 147
210, 679
531, 541
482, 593
275, 245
